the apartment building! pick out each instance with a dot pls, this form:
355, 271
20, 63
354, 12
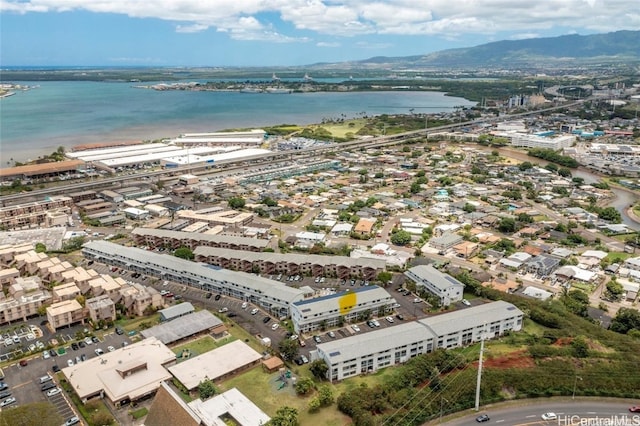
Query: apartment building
65, 313
101, 308
137, 298
24, 298
27, 262
34, 214
291, 264
337, 309
369, 352
66, 291
7, 276
271, 295
175, 239
446, 288
8, 253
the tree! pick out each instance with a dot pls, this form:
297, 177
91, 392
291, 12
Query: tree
614, 289
401, 238
626, 320
207, 389
184, 253
325, 395
384, 277
288, 349
525, 166
507, 225
469, 208
564, 172
304, 386
610, 214
580, 347
319, 369
40, 248
285, 416
236, 202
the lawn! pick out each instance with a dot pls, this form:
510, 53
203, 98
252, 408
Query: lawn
611, 256
134, 324
340, 130
202, 345
262, 389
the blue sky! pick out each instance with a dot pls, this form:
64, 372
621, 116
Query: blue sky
281, 32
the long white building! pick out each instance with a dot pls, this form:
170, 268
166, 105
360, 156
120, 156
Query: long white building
369, 352
271, 295
331, 311
441, 285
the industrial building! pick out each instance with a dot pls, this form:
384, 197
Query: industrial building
369, 352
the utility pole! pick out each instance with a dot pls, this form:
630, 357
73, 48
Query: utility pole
442, 400
575, 383
479, 372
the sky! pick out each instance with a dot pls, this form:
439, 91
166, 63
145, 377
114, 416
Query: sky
241, 33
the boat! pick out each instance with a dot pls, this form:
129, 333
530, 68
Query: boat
250, 89
274, 77
277, 90
307, 77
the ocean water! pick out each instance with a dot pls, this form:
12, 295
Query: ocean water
37, 121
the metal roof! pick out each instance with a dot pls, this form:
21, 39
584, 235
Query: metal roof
182, 327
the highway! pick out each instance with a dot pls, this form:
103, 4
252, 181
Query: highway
583, 411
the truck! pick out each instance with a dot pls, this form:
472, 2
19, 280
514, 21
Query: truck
264, 341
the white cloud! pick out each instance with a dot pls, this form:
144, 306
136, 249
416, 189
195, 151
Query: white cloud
328, 44
245, 19
524, 36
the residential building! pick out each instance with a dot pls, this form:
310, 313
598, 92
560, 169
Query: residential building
65, 313
369, 352
445, 241
34, 214
290, 264
137, 298
336, 309
446, 288
101, 308
271, 295
66, 291
24, 299
175, 239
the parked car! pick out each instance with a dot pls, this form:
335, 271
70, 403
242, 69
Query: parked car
54, 391
23, 363
293, 337
254, 311
331, 334
99, 351
317, 339
70, 363
3, 386
223, 310
88, 341
8, 401
119, 331
389, 319
275, 326
305, 360
55, 368
47, 386
72, 421
244, 305
466, 302
355, 328
266, 319
5, 394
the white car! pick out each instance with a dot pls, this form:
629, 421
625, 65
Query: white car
549, 416
54, 391
417, 300
88, 340
7, 401
294, 337
389, 319
355, 328
99, 351
111, 348
466, 302
254, 311
244, 305
46, 355
223, 310
275, 326
70, 362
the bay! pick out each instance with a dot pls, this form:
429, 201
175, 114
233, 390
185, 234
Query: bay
67, 113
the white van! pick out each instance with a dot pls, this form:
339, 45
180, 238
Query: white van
45, 379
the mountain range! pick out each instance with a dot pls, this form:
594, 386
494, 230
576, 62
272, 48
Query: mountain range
573, 49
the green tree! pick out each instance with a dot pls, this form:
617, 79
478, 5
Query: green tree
288, 349
614, 289
507, 225
207, 389
579, 347
401, 238
626, 320
184, 253
469, 208
40, 248
319, 369
610, 214
325, 395
304, 386
285, 416
236, 202
384, 277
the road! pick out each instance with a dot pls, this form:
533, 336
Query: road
587, 411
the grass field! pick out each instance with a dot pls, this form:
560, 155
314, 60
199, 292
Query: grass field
340, 130
202, 345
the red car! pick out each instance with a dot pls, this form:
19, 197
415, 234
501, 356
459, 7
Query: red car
635, 409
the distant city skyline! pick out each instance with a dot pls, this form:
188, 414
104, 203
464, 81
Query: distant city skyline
244, 33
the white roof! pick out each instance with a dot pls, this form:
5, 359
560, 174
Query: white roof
214, 364
103, 373
537, 293
232, 403
595, 253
